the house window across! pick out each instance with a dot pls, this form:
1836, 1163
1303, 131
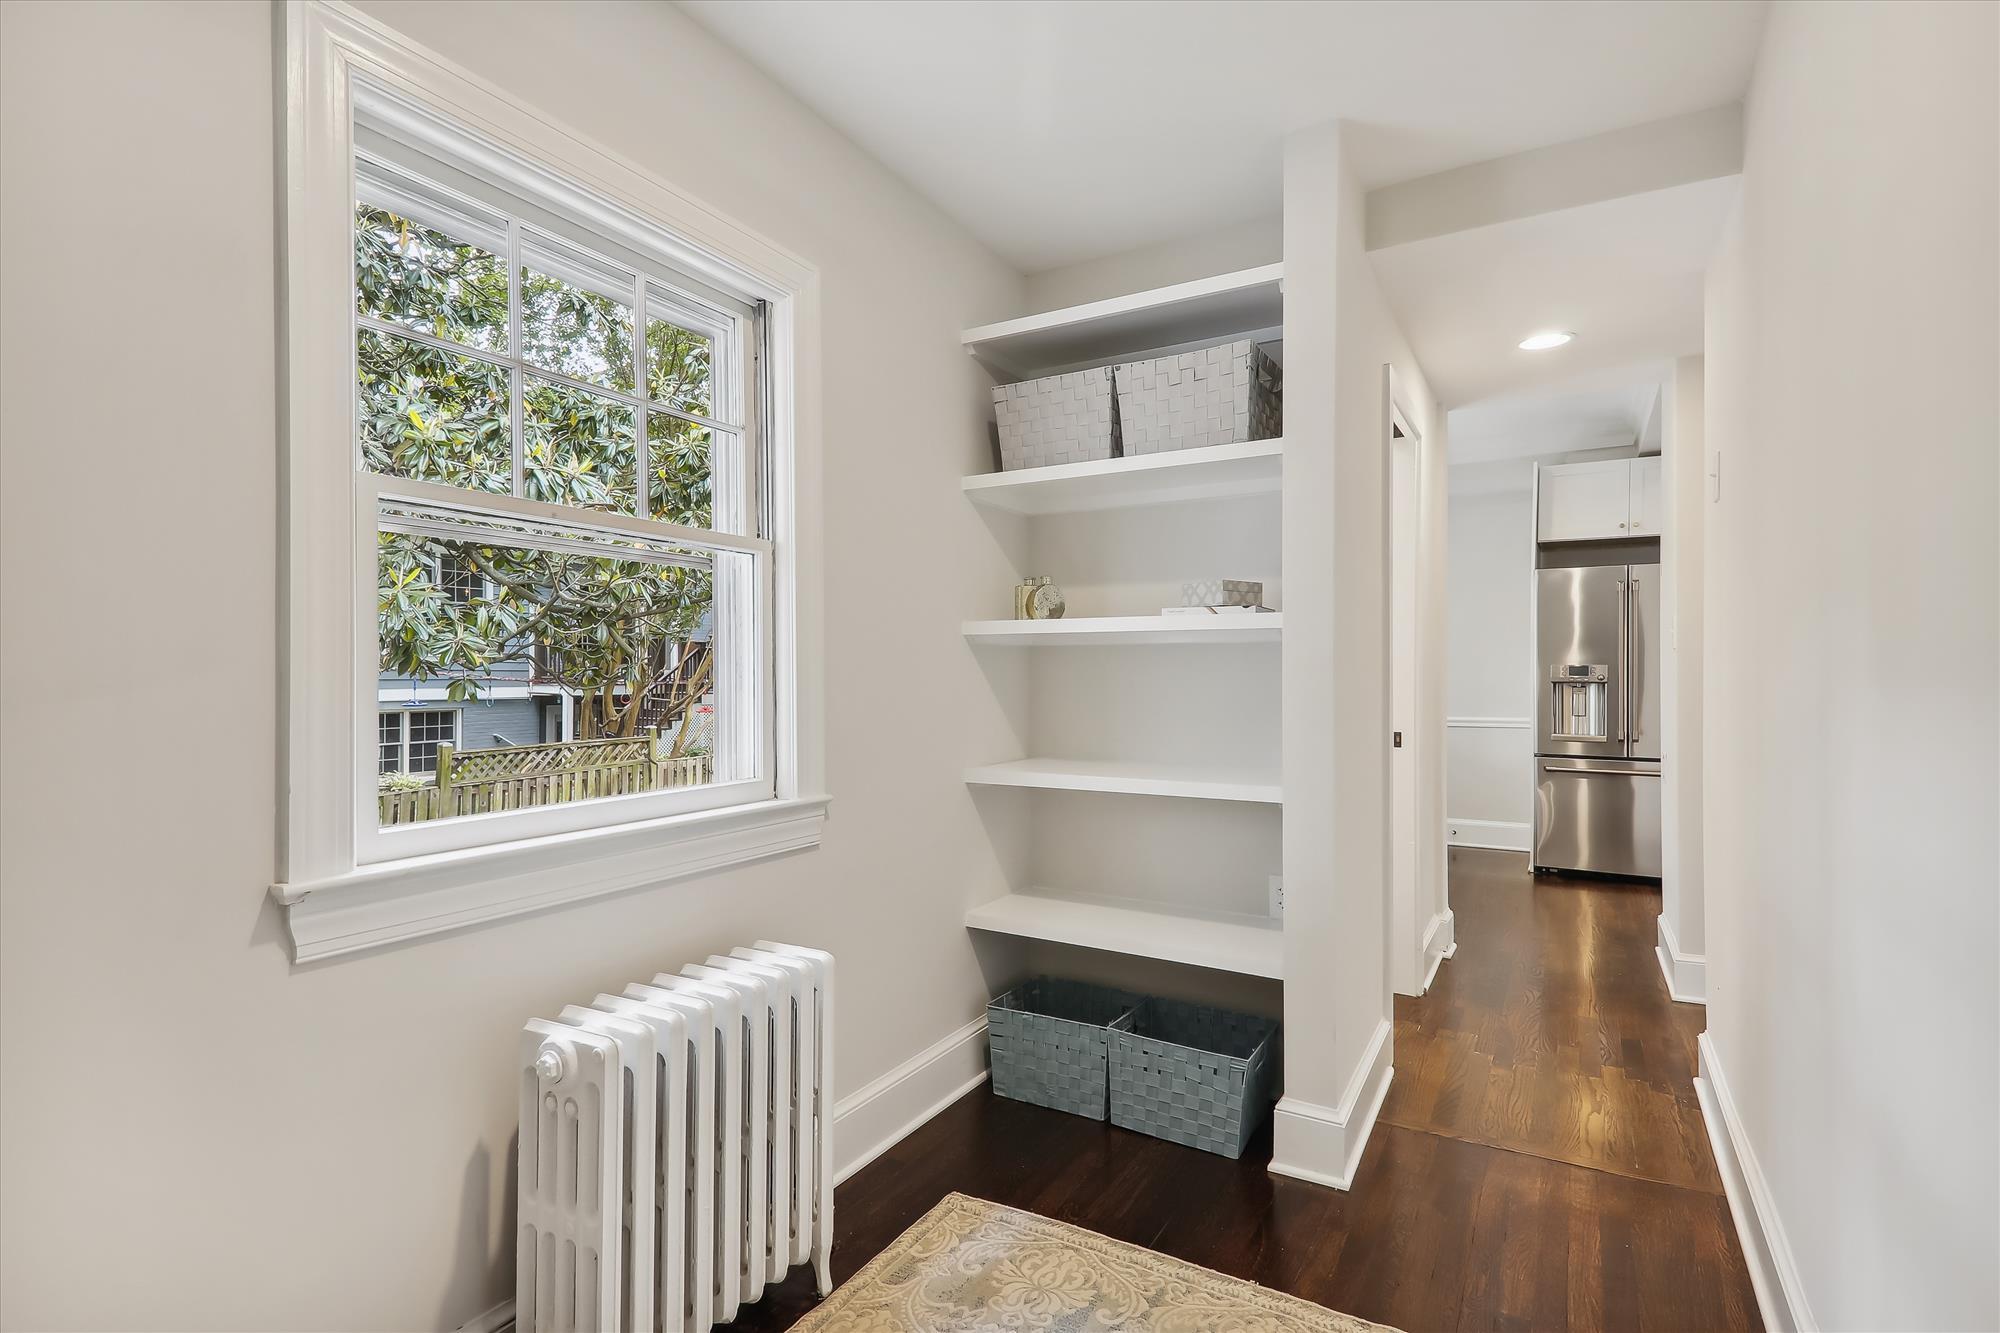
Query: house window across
408, 739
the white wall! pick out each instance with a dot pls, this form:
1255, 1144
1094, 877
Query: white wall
1852, 649
1339, 336
1683, 935
1489, 700
1203, 255
194, 1133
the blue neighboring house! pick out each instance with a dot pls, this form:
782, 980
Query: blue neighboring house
517, 705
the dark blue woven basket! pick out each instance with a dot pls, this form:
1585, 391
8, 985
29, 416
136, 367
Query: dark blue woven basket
1050, 1043
1193, 1074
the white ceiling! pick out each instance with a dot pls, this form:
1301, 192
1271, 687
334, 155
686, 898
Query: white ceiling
1059, 132
1624, 275
1607, 409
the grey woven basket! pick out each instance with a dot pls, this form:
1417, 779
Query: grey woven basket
1050, 1042
1056, 419
1193, 1074
1218, 395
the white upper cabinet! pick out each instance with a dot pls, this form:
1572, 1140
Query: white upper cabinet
1647, 514
1586, 501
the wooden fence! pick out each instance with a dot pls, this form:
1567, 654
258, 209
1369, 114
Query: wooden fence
515, 777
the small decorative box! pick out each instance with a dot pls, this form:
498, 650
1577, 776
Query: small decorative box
1222, 592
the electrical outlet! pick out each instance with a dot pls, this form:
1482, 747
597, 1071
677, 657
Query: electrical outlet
1277, 895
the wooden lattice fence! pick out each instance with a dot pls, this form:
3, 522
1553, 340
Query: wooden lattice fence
516, 777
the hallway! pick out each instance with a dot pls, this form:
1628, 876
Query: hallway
1551, 1032
1540, 1162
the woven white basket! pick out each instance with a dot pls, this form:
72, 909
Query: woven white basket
1218, 395
1056, 419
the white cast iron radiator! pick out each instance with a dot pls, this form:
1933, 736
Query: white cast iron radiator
675, 1146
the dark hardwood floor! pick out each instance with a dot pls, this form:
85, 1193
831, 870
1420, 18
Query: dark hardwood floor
1540, 1162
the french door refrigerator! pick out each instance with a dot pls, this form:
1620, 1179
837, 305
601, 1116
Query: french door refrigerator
1597, 750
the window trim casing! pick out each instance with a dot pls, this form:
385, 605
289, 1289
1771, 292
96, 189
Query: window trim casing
333, 903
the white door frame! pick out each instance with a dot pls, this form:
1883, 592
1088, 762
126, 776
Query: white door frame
1415, 904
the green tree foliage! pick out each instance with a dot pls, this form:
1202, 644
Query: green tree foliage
606, 627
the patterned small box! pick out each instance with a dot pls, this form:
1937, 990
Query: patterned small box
1222, 592
1217, 395
1057, 419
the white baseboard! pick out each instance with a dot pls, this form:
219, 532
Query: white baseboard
1501, 835
883, 1113
1686, 973
1323, 1144
1440, 943
1774, 1274
497, 1320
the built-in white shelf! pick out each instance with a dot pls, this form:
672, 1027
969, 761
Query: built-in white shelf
1105, 631
1206, 310
1216, 472
1253, 946
1193, 782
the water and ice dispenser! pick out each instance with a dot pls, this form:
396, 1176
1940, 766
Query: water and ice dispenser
1582, 705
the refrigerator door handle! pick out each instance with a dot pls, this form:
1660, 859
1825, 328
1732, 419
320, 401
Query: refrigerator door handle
1622, 677
1631, 608
1605, 772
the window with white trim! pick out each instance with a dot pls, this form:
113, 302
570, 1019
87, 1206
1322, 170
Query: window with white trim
551, 447
555, 435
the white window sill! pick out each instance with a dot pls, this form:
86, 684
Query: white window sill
401, 900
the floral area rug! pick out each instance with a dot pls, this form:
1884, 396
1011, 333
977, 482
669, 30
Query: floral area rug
968, 1266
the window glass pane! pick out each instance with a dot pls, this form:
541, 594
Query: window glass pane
388, 742
428, 279
680, 368
460, 580
583, 448
680, 473
576, 315
428, 730
432, 415
624, 644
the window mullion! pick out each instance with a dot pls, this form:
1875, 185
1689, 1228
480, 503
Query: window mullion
516, 378
642, 503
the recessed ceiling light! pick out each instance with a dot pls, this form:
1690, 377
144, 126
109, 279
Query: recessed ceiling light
1542, 342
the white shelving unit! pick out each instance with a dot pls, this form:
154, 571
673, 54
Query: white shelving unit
1213, 473
1107, 631
1126, 778
1237, 780
1249, 302
1253, 946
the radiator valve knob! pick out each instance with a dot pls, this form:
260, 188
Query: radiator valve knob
550, 1065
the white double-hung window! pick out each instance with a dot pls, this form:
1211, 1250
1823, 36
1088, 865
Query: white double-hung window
544, 451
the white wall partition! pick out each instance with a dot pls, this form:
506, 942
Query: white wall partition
1340, 338
1490, 738
275, 1175
1683, 939
1852, 1059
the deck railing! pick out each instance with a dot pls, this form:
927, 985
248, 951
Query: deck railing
516, 777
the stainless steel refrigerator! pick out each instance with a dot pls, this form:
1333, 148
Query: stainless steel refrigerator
1597, 749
